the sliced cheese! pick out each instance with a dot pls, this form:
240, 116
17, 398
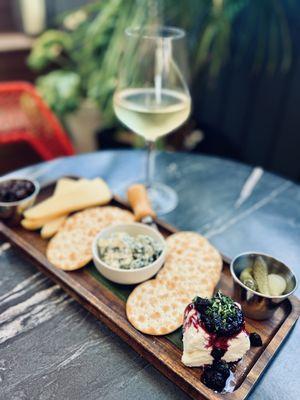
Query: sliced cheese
33, 224
84, 194
63, 186
51, 227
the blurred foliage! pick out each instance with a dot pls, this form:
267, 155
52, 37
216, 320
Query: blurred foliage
61, 90
49, 48
88, 46
256, 27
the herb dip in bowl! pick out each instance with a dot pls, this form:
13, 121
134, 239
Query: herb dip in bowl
129, 253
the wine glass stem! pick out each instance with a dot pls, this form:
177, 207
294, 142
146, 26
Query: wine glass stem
150, 162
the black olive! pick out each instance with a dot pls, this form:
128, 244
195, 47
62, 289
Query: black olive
29, 186
21, 194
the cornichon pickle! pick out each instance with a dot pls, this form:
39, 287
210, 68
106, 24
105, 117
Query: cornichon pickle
250, 283
247, 278
246, 274
260, 274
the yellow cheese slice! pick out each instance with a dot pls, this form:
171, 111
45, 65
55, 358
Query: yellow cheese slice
63, 186
51, 227
84, 194
33, 224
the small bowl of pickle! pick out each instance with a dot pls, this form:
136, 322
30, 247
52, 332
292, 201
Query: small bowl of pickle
261, 283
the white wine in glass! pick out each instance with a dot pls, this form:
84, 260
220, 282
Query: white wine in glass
140, 111
152, 98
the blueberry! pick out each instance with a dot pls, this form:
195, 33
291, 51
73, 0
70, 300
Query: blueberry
216, 323
222, 367
255, 339
213, 379
208, 323
217, 353
201, 303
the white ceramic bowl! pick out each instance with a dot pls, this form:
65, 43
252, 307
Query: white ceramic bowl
131, 276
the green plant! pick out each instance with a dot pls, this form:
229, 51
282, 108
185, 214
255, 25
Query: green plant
90, 47
214, 24
61, 90
87, 50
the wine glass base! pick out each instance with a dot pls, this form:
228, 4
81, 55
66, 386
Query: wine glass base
163, 198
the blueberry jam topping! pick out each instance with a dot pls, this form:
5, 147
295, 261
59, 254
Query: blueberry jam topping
220, 315
215, 376
15, 190
201, 303
255, 339
193, 319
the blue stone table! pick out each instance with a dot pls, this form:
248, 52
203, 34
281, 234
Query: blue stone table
51, 348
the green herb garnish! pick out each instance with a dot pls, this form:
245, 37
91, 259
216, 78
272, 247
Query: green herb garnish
223, 306
220, 315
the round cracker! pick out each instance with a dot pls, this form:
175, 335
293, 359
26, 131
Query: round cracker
71, 247
70, 250
192, 286
189, 253
156, 308
203, 280
185, 241
192, 265
97, 218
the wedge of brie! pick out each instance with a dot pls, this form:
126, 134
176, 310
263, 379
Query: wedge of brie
202, 347
196, 342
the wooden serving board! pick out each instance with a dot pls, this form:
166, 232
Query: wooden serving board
106, 301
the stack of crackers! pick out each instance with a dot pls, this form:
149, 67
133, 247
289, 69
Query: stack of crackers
71, 247
192, 268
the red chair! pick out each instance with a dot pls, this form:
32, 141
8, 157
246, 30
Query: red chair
24, 117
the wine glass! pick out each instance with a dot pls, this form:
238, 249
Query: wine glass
152, 98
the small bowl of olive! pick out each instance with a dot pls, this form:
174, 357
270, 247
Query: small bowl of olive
16, 195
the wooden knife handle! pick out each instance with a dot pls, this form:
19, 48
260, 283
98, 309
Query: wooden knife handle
139, 202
